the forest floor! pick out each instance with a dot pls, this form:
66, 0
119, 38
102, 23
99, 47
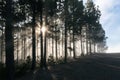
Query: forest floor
93, 67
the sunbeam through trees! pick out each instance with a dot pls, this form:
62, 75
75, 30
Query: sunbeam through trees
38, 33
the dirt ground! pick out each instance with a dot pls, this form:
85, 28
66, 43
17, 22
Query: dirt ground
93, 67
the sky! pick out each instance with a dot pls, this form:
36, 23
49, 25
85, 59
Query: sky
110, 21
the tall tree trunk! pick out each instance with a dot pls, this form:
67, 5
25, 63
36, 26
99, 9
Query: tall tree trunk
17, 48
43, 39
41, 36
45, 54
24, 42
81, 42
70, 43
66, 25
59, 49
94, 48
74, 54
45, 36
9, 44
33, 38
37, 42
2, 41
86, 46
74, 27
52, 46
0, 50
62, 43
65, 46
22, 52
90, 47
56, 43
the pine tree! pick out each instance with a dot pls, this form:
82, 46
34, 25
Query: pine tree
9, 45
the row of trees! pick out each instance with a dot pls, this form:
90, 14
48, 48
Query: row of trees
60, 29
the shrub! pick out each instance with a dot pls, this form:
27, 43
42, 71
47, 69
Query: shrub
51, 60
23, 67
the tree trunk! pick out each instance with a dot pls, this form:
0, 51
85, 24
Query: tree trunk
52, 46
0, 50
17, 48
81, 42
87, 46
74, 54
45, 41
70, 45
24, 42
45, 38
33, 38
2, 41
41, 36
94, 48
90, 47
62, 43
66, 25
9, 44
56, 43
22, 52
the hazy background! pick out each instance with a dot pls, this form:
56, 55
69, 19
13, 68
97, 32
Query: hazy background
110, 20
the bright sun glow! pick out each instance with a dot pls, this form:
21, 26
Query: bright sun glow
43, 29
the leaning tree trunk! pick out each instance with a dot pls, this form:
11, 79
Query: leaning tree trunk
9, 44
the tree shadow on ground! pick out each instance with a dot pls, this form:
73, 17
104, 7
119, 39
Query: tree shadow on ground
93, 67
43, 74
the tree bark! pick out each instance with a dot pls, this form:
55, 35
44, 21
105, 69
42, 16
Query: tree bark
56, 43
66, 25
9, 44
2, 41
52, 46
33, 38
45, 54
74, 54
41, 37
17, 48
81, 42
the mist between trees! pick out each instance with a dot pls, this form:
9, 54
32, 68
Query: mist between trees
39, 32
